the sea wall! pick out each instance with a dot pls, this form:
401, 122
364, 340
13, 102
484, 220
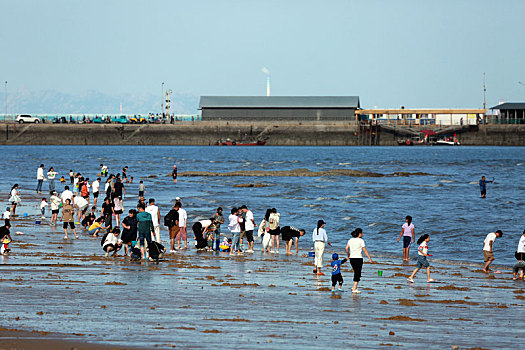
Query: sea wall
207, 133
198, 133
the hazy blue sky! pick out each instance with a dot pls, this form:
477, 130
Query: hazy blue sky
390, 53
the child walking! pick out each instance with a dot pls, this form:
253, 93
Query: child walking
336, 272
7, 216
407, 232
43, 206
422, 253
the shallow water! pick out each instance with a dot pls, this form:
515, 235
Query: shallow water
204, 300
446, 205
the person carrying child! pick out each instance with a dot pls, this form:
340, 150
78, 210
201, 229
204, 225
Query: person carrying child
422, 253
336, 272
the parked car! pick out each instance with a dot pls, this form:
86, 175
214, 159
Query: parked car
120, 120
26, 118
137, 120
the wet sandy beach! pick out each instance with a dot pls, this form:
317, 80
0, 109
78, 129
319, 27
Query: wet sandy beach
204, 300
67, 291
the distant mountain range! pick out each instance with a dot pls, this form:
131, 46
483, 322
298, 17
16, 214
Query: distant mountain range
92, 102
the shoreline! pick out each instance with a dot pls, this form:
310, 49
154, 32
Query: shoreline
16, 339
207, 133
387, 306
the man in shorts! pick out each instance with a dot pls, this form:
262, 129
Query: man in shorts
68, 213
172, 218
488, 243
288, 234
249, 226
95, 186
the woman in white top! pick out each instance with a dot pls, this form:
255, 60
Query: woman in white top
264, 232
51, 174
320, 239
354, 249
112, 243
408, 234
54, 203
14, 198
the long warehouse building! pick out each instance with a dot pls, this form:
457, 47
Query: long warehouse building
279, 108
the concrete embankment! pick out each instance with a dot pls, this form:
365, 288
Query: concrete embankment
207, 133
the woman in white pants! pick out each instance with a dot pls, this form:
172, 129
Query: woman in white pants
320, 239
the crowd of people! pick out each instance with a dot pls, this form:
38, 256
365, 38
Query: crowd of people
138, 233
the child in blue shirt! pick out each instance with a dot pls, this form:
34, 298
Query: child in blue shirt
336, 271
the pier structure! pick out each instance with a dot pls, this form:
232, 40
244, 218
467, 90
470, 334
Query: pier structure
421, 117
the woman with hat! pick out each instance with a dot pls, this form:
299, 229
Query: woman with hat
320, 240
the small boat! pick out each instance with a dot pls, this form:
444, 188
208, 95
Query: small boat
229, 142
447, 143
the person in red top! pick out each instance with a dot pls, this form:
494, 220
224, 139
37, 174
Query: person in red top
84, 189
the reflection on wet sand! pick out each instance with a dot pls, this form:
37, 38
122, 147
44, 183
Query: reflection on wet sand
76, 291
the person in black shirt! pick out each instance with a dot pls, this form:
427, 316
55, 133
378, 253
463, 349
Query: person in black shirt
171, 220
118, 189
107, 212
125, 174
129, 233
288, 234
4, 232
174, 174
90, 218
